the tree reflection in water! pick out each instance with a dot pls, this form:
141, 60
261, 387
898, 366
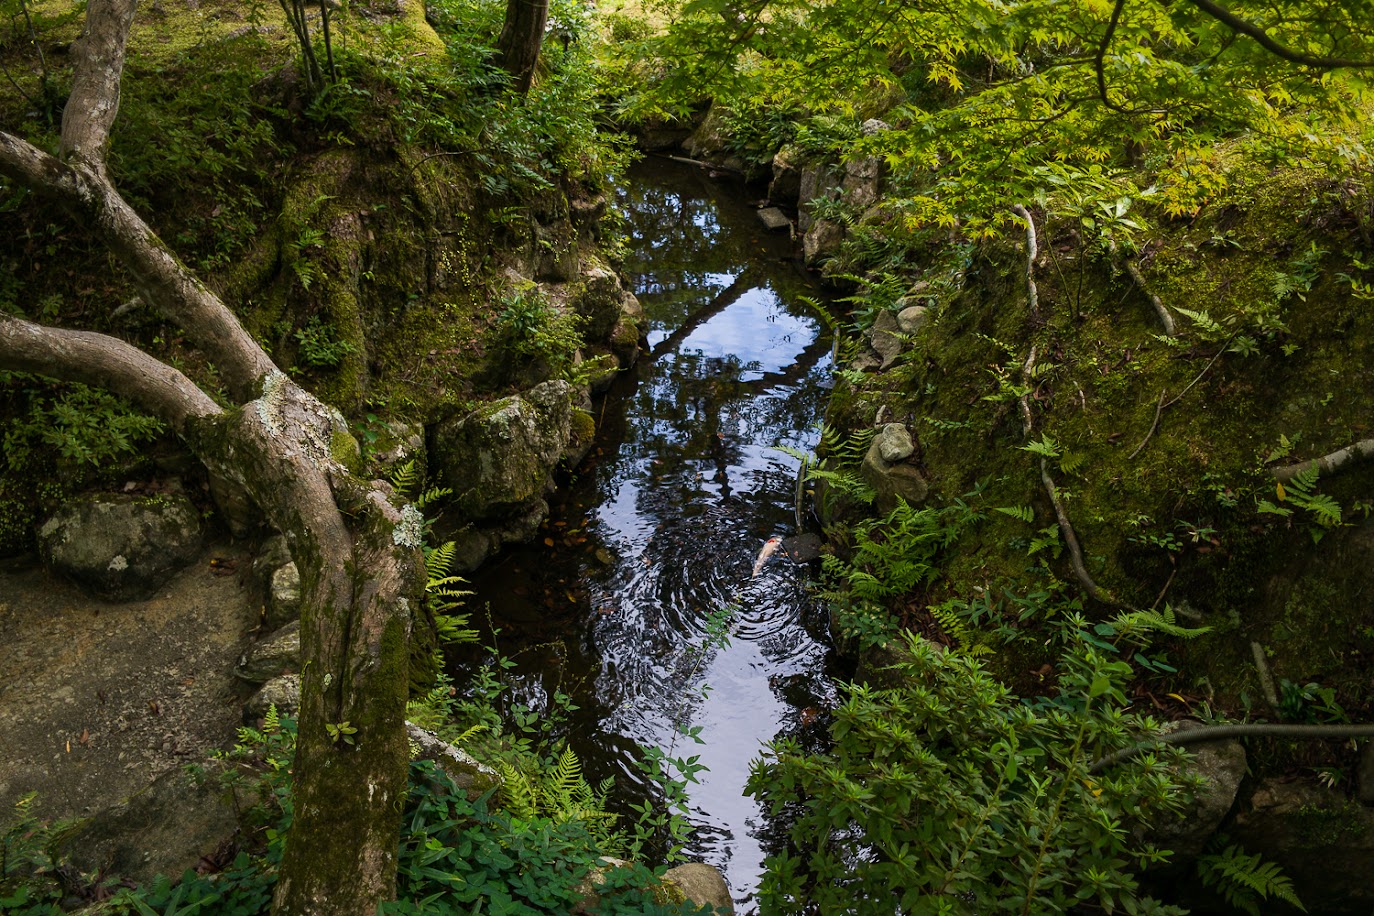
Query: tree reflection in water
667, 517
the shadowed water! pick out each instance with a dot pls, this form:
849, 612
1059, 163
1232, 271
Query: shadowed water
658, 533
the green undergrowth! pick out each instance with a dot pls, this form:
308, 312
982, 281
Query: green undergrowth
530, 846
1270, 366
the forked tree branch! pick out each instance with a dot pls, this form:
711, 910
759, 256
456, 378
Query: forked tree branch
104, 362
163, 281
99, 63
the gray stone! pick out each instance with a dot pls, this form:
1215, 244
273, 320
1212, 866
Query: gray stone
894, 443
121, 548
284, 597
892, 482
817, 181
1365, 773
236, 508
396, 444
283, 693
702, 885
785, 187
884, 338
501, 456
522, 527
874, 126
556, 253
272, 555
1222, 764
276, 655
709, 139
822, 241
598, 300
628, 331
912, 318
472, 777
774, 219
164, 829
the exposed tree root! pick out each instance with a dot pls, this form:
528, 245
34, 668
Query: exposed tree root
1080, 570
1209, 733
1330, 464
1032, 252
1132, 268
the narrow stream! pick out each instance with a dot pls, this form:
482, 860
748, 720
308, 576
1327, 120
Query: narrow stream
659, 531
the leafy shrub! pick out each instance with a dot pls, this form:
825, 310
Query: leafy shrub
947, 794
81, 425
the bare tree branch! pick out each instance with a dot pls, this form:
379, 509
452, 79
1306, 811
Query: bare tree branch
1329, 464
1237, 24
162, 280
104, 362
99, 63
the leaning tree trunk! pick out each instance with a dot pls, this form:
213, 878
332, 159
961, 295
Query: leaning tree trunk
359, 555
522, 35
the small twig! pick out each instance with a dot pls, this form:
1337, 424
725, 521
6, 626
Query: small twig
1165, 590
703, 165
1163, 404
1271, 696
1210, 733
460, 152
1080, 569
1159, 409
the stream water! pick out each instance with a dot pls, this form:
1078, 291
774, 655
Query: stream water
657, 535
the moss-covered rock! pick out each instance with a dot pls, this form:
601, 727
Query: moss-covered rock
499, 457
121, 548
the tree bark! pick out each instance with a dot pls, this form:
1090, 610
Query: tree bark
362, 568
522, 35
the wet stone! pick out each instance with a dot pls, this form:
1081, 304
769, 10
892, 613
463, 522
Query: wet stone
774, 219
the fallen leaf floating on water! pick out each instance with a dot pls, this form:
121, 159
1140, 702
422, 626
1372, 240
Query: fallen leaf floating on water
770, 547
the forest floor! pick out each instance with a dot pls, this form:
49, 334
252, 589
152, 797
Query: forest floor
97, 700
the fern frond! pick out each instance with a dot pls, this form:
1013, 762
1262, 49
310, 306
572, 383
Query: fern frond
1023, 513
439, 559
405, 478
520, 795
1245, 880
433, 494
1136, 626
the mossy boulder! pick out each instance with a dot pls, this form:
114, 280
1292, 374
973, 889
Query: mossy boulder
121, 548
500, 457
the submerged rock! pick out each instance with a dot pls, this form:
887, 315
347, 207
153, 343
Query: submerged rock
162, 830
121, 548
1322, 840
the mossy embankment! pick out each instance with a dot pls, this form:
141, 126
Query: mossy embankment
1161, 448
365, 234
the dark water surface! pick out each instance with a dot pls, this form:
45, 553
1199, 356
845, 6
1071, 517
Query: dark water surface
660, 528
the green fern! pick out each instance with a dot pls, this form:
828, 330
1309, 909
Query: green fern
1136, 626
1024, 513
1245, 880
519, 794
405, 478
969, 641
